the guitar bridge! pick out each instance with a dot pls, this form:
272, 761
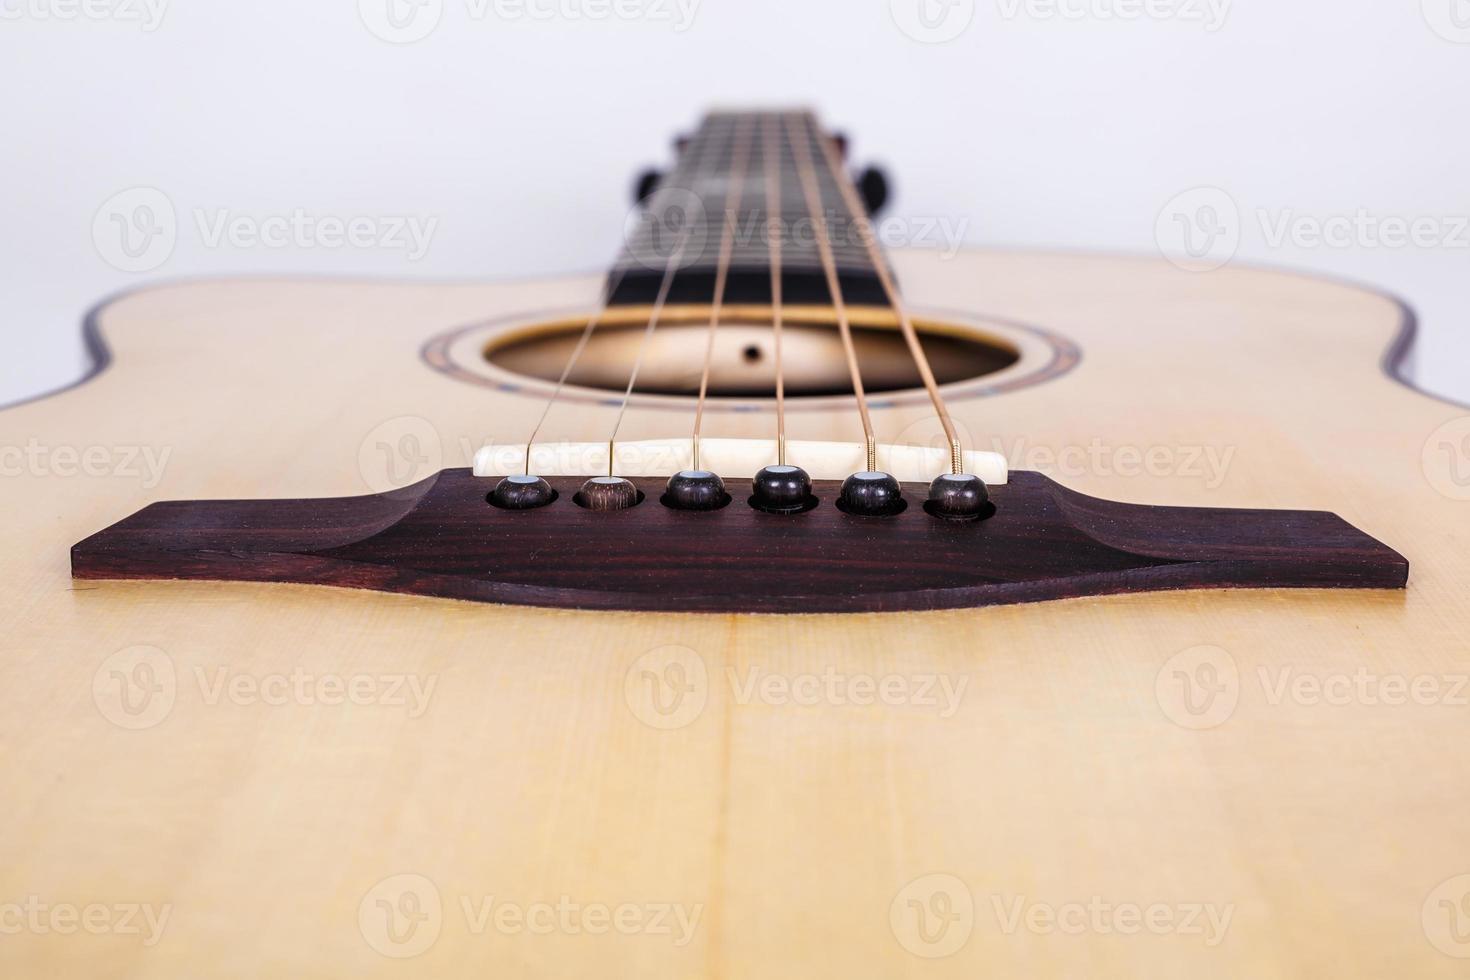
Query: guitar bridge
441, 538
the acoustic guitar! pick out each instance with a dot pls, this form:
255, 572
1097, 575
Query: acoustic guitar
799, 598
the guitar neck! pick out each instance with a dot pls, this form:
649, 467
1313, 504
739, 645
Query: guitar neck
738, 183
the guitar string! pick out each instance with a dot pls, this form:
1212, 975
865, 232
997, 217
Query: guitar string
770, 149
571, 363
593, 322
906, 325
807, 172
801, 151
671, 268
733, 196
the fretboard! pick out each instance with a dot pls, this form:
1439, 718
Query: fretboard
684, 220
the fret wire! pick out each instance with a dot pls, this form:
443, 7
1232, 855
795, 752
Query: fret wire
727, 238
670, 270
807, 170
906, 325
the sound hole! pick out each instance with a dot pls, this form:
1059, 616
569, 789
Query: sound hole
743, 361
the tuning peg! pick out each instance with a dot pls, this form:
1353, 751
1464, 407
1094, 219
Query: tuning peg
872, 185
647, 183
839, 139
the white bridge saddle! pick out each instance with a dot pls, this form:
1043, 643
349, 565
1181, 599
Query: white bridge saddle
730, 458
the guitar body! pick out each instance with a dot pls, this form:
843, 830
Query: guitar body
323, 782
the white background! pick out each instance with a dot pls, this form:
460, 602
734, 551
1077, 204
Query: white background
518, 125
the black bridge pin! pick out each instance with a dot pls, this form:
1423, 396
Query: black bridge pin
782, 490
871, 494
605, 493
522, 493
958, 497
695, 490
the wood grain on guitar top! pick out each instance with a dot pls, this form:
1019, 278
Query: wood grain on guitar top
1261, 757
